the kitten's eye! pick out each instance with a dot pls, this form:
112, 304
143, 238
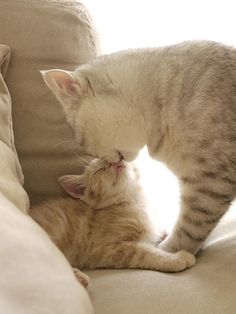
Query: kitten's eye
101, 169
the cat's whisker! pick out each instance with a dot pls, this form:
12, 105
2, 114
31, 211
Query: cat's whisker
101, 162
65, 146
88, 158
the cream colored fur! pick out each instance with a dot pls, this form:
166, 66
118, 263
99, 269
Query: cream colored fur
106, 224
178, 100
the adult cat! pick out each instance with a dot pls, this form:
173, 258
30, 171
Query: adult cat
106, 225
180, 101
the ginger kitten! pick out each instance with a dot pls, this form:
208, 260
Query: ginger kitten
105, 224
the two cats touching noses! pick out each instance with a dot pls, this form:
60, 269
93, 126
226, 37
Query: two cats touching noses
180, 102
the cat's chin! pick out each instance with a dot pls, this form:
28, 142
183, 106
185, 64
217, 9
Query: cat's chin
112, 158
117, 156
129, 156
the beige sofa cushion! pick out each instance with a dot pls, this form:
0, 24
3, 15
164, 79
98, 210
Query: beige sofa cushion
35, 276
43, 34
11, 177
209, 287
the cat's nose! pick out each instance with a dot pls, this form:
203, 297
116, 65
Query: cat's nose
118, 166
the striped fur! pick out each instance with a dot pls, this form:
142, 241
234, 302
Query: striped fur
205, 199
178, 100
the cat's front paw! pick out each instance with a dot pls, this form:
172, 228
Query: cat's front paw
82, 278
179, 261
171, 244
189, 258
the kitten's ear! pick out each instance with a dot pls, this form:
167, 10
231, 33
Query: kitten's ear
72, 185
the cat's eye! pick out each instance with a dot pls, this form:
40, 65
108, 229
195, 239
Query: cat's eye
81, 143
121, 156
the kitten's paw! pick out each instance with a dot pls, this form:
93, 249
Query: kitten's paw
82, 278
189, 258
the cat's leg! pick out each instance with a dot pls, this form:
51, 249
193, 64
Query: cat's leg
204, 201
140, 255
82, 277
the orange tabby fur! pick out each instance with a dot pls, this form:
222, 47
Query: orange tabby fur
106, 225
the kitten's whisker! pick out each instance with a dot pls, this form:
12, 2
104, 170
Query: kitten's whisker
83, 162
100, 162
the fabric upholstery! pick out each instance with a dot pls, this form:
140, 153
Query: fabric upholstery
11, 177
208, 287
43, 35
35, 276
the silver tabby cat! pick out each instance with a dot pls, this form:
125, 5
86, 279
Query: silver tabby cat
178, 100
106, 223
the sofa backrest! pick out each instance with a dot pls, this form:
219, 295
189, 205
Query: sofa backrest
43, 35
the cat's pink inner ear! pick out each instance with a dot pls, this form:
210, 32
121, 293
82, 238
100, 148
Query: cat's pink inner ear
65, 82
61, 81
71, 186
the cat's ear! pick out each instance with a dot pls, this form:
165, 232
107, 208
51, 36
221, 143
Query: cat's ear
72, 185
65, 85
68, 89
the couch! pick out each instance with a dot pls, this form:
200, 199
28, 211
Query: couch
36, 146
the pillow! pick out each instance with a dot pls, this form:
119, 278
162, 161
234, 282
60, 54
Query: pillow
43, 35
11, 177
35, 276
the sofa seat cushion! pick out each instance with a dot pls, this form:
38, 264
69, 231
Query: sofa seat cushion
208, 287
